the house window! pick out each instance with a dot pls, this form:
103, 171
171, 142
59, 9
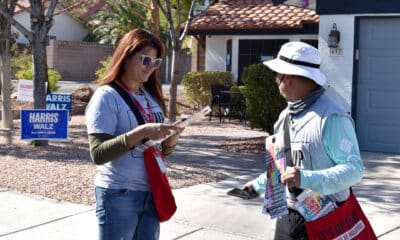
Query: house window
257, 51
228, 55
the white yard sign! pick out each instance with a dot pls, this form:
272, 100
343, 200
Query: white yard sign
25, 90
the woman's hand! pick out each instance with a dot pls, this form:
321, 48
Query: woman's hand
152, 131
169, 144
173, 140
156, 131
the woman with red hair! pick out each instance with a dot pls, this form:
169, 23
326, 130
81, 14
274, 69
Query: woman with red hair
124, 204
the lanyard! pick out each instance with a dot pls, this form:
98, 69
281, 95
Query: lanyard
149, 117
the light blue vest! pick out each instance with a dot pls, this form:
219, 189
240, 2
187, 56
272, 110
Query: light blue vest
306, 129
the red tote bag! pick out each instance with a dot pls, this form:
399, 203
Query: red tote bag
162, 194
348, 221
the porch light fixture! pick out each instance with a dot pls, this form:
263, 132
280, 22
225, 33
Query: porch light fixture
334, 37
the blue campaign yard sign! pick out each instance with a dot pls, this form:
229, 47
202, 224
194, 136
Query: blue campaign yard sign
58, 102
44, 124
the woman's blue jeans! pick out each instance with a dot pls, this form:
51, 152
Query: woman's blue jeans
126, 215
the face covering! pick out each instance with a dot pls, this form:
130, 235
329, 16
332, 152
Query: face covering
302, 104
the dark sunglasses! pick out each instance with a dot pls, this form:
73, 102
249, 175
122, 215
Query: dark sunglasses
279, 78
147, 61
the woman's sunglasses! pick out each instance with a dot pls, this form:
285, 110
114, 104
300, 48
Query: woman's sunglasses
147, 61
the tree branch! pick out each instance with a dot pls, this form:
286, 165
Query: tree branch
179, 13
51, 9
140, 16
16, 24
190, 17
143, 4
168, 15
162, 8
76, 4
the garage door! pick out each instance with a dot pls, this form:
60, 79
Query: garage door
378, 85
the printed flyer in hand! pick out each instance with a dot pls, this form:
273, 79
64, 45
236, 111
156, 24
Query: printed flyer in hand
313, 205
275, 192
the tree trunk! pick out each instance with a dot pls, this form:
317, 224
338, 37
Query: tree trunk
40, 75
174, 84
5, 75
155, 15
176, 42
39, 80
39, 31
7, 7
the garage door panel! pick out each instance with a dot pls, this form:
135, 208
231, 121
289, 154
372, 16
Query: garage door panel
378, 32
379, 116
377, 63
380, 64
385, 100
380, 100
378, 133
375, 67
378, 85
378, 137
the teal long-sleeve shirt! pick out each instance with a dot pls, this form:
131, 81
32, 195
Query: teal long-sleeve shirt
341, 145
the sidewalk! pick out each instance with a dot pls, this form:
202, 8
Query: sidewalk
204, 211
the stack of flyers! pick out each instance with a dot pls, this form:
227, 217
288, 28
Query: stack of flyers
275, 192
312, 205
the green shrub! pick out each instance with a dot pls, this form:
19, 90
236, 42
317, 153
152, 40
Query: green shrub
263, 101
26, 72
19, 61
54, 77
101, 72
197, 86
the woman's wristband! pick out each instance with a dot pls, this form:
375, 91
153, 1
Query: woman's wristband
167, 150
168, 147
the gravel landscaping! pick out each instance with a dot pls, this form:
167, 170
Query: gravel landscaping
64, 171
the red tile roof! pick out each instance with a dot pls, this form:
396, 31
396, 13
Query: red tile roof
252, 14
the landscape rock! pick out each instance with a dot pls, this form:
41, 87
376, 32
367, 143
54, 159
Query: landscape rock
82, 93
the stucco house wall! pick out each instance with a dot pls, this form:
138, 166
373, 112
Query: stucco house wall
65, 27
338, 68
216, 53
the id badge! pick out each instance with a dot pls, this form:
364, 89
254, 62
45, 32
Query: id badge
160, 162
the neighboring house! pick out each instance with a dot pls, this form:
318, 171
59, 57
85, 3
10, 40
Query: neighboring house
234, 34
66, 27
364, 71
74, 59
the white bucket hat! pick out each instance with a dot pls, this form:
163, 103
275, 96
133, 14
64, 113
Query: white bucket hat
298, 58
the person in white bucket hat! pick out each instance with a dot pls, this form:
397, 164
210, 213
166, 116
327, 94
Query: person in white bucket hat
321, 152
301, 59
